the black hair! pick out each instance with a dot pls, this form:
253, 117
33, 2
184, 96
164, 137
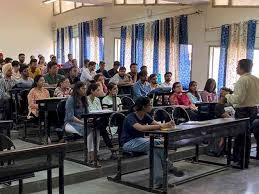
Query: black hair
41, 57
21, 54
51, 64
86, 61
141, 102
116, 63
132, 64
152, 75
36, 80
71, 68
142, 73
174, 86
15, 64
92, 87
96, 77
227, 90
2, 61
8, 60
33, 61
77, 98
61, 81
207, 86
168, 73
196, 92
143, 68
122, 68
91, 63
102, 63
110, 87
22, 68
69, 55
246, 65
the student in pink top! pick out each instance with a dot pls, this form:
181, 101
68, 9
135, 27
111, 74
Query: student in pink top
209, 93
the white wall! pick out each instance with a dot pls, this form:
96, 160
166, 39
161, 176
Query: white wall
25, 27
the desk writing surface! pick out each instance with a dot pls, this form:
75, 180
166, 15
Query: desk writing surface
214, 122
51, 99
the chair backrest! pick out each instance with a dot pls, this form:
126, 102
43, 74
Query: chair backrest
61, 112
116, 124
127, 102
23, 102
170, 111
180, 115
161, 115
6, 143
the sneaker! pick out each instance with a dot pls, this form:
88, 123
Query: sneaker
176, 172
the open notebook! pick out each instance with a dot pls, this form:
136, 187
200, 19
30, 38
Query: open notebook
196, 123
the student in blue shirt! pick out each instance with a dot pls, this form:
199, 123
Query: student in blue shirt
141, 87
193, 93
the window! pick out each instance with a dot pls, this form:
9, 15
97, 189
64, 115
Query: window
235, 3
76, 48
117, 49
67, 5
61, 6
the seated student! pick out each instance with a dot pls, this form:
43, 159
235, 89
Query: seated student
33, 69
141, 87
115, 68
88, 73
108, 100
153, 81
134, 72
8, 60
74, 63
68, 64
181, 99
73, 75
21, 58
16, 74
121, 78
133, 139
25, 81
42, 65
209, 93
102, 70
99, 79
37, 92
52, 77
193, 93
7, 82
168, 80
143, 68
63, 89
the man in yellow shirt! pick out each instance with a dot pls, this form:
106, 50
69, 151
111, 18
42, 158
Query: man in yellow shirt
33, 69
245, 100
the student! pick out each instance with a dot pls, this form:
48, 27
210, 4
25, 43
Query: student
108, 100
86, 63
16, 66
7, 82
209, 93
153, 81
121, 78
42, 65
115, 68
63, 89
143, 68
73, 75
88, 73
222, 109
8, 60
25, 81
141, 87
102, 70
74, 63
33, 69
21, 58
168, 80
193, 93
52, 78
68, 64
133, 139
37, 92
99, 79
134, 72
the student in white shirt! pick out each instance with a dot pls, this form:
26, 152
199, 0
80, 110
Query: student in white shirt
121, 78
88, 73
168, 80
108, 100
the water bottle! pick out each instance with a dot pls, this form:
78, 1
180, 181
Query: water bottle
114, 103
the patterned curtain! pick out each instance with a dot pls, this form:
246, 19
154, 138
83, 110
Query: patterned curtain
251, 34
64, 43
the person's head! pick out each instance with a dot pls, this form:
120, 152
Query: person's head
225, 89
116, 65
1, 63
33, 63
102, 65
143, 68
86, 63
79, 89
73, 72
193, 87
32, 57
64, 83
38, 81
112, 89
24, 71
8, 60
41, 60
52, 68
122, 71
21, 57
74, 62
244, 66
133, 68
143, 76
53, 59
177, 87
92, 66
210, 86
93, 89
39, 56
7, 70
50, 57
98, 78
70, 57
143, 104
16, 66
153, 79
1, 56
168, 77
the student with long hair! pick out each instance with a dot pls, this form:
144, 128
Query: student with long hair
193, 93
209, 93
108, 100
63, 89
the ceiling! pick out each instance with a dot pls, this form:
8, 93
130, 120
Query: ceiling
104, 2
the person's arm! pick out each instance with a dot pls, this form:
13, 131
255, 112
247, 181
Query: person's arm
85, 76
32, 100
239, 95
204, 97
136, 90
173, 100
70, 114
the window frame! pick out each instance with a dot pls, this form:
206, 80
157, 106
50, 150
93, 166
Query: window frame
230, 5
114, 45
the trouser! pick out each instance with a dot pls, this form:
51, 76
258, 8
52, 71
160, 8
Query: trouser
239, 140
255, 130
101, 125
143, 145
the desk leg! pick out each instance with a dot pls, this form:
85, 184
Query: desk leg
151, 162
229, 147
49, 175
243, 159
20, 186
61, 173
47, 126
85, 141
95, 144
165, 164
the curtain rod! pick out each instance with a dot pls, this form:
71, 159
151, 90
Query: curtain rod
218, 27
198, 12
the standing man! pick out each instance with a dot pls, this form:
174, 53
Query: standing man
245, 99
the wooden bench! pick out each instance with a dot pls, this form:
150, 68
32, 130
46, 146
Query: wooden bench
22, 166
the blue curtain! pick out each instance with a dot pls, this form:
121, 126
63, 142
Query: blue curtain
140, 45
58, 47
155, 29
134, 37
84, 33
167, 43
184, 61
223, 56
70, 39
251, 35
123, 44
101, 39
62, 40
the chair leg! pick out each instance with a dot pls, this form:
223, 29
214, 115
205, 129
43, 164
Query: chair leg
25, 130
20, 186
